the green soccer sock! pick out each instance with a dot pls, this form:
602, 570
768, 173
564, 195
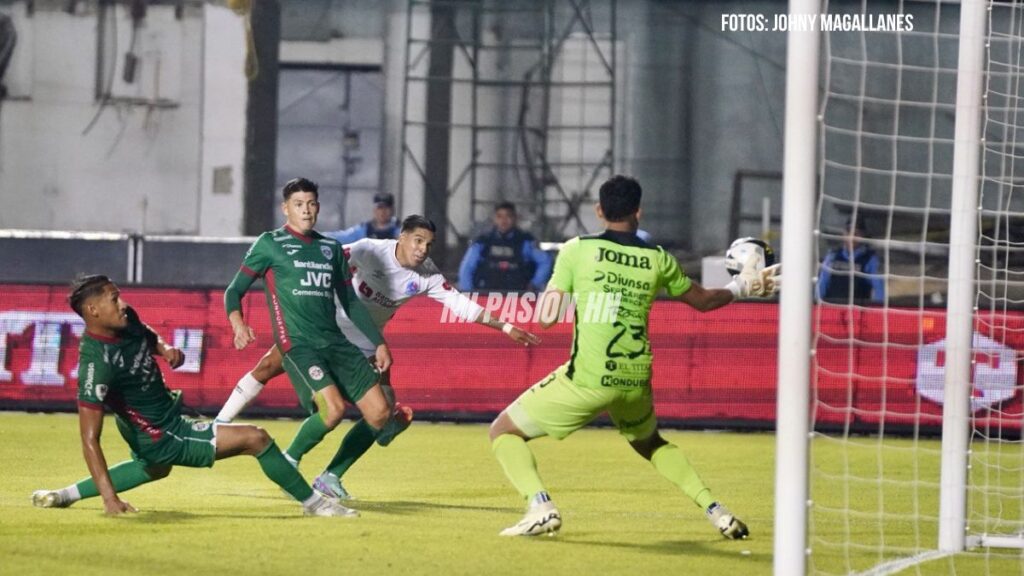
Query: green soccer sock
282, 473
356, 443
670, 461
124, 476
310, 434
517, 461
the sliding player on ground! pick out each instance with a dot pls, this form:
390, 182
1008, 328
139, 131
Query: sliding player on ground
117, 370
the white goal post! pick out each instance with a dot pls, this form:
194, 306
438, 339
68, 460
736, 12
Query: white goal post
916, 132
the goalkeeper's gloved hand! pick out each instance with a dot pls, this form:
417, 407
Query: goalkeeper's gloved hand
753, 283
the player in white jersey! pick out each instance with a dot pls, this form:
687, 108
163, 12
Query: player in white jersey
385, 275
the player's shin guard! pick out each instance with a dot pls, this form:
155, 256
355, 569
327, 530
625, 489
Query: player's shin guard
124, 476
672, 464
310, 434
358, 440
245, 390
517, 461
277, 468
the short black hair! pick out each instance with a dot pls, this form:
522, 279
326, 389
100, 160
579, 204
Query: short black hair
620, 198
856, 226
85, 286
299, 185
506, 205
415, 221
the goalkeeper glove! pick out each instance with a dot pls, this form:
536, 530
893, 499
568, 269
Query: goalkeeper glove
753, 283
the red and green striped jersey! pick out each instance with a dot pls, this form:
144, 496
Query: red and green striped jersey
301, 274
121, 374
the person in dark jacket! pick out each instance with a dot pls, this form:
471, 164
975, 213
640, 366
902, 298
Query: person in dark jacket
852, 271
504, 259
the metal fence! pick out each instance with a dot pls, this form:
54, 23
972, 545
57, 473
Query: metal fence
31, 256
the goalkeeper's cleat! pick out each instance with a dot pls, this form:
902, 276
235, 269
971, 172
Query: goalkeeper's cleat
540, 519
327, 507
49, 499
329, 486
399, 422
728, 525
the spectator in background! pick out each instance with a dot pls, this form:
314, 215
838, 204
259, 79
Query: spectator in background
383, 226
852, 271
504, 259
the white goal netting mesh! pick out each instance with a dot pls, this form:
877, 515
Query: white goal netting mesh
883, 221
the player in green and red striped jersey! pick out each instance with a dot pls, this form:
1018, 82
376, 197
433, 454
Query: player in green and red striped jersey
116, 370
303, 272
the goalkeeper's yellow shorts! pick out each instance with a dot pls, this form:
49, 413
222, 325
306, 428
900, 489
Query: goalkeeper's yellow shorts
557, 407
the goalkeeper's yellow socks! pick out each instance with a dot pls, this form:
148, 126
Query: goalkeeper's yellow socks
517, 461
310, 434
356, 443
123, 476
671, 463
274, 465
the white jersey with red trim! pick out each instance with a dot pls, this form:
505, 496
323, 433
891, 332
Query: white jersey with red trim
383, 284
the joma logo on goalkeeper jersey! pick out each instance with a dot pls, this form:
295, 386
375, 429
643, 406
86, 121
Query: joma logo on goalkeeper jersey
631, 260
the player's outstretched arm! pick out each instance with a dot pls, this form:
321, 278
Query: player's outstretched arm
514, 332
90, 425
706, 299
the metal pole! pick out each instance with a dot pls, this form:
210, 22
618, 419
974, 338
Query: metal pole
963, 234
798, 186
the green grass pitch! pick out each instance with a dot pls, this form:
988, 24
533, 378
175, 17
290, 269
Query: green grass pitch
432, 503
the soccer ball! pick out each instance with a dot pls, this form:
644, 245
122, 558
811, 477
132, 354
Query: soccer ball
742, 248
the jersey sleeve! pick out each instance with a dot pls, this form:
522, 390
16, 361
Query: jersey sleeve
461, 305
354, 308
255, 264
565, 264
94, 379
355, 253
672, 277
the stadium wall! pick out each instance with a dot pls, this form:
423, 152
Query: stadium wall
82, 149
716, 369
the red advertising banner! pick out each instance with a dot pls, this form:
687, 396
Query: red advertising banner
872, 367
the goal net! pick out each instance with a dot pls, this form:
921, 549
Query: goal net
878, 493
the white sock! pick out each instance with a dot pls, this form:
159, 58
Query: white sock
312, 501
70, 494
246, 389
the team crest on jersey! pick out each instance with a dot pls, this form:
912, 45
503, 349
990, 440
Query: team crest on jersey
327, 252
316, 373
412, 288
200, 426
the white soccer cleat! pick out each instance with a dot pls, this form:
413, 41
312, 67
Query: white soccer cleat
327, 507
48, 499
727, 524
541, 519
